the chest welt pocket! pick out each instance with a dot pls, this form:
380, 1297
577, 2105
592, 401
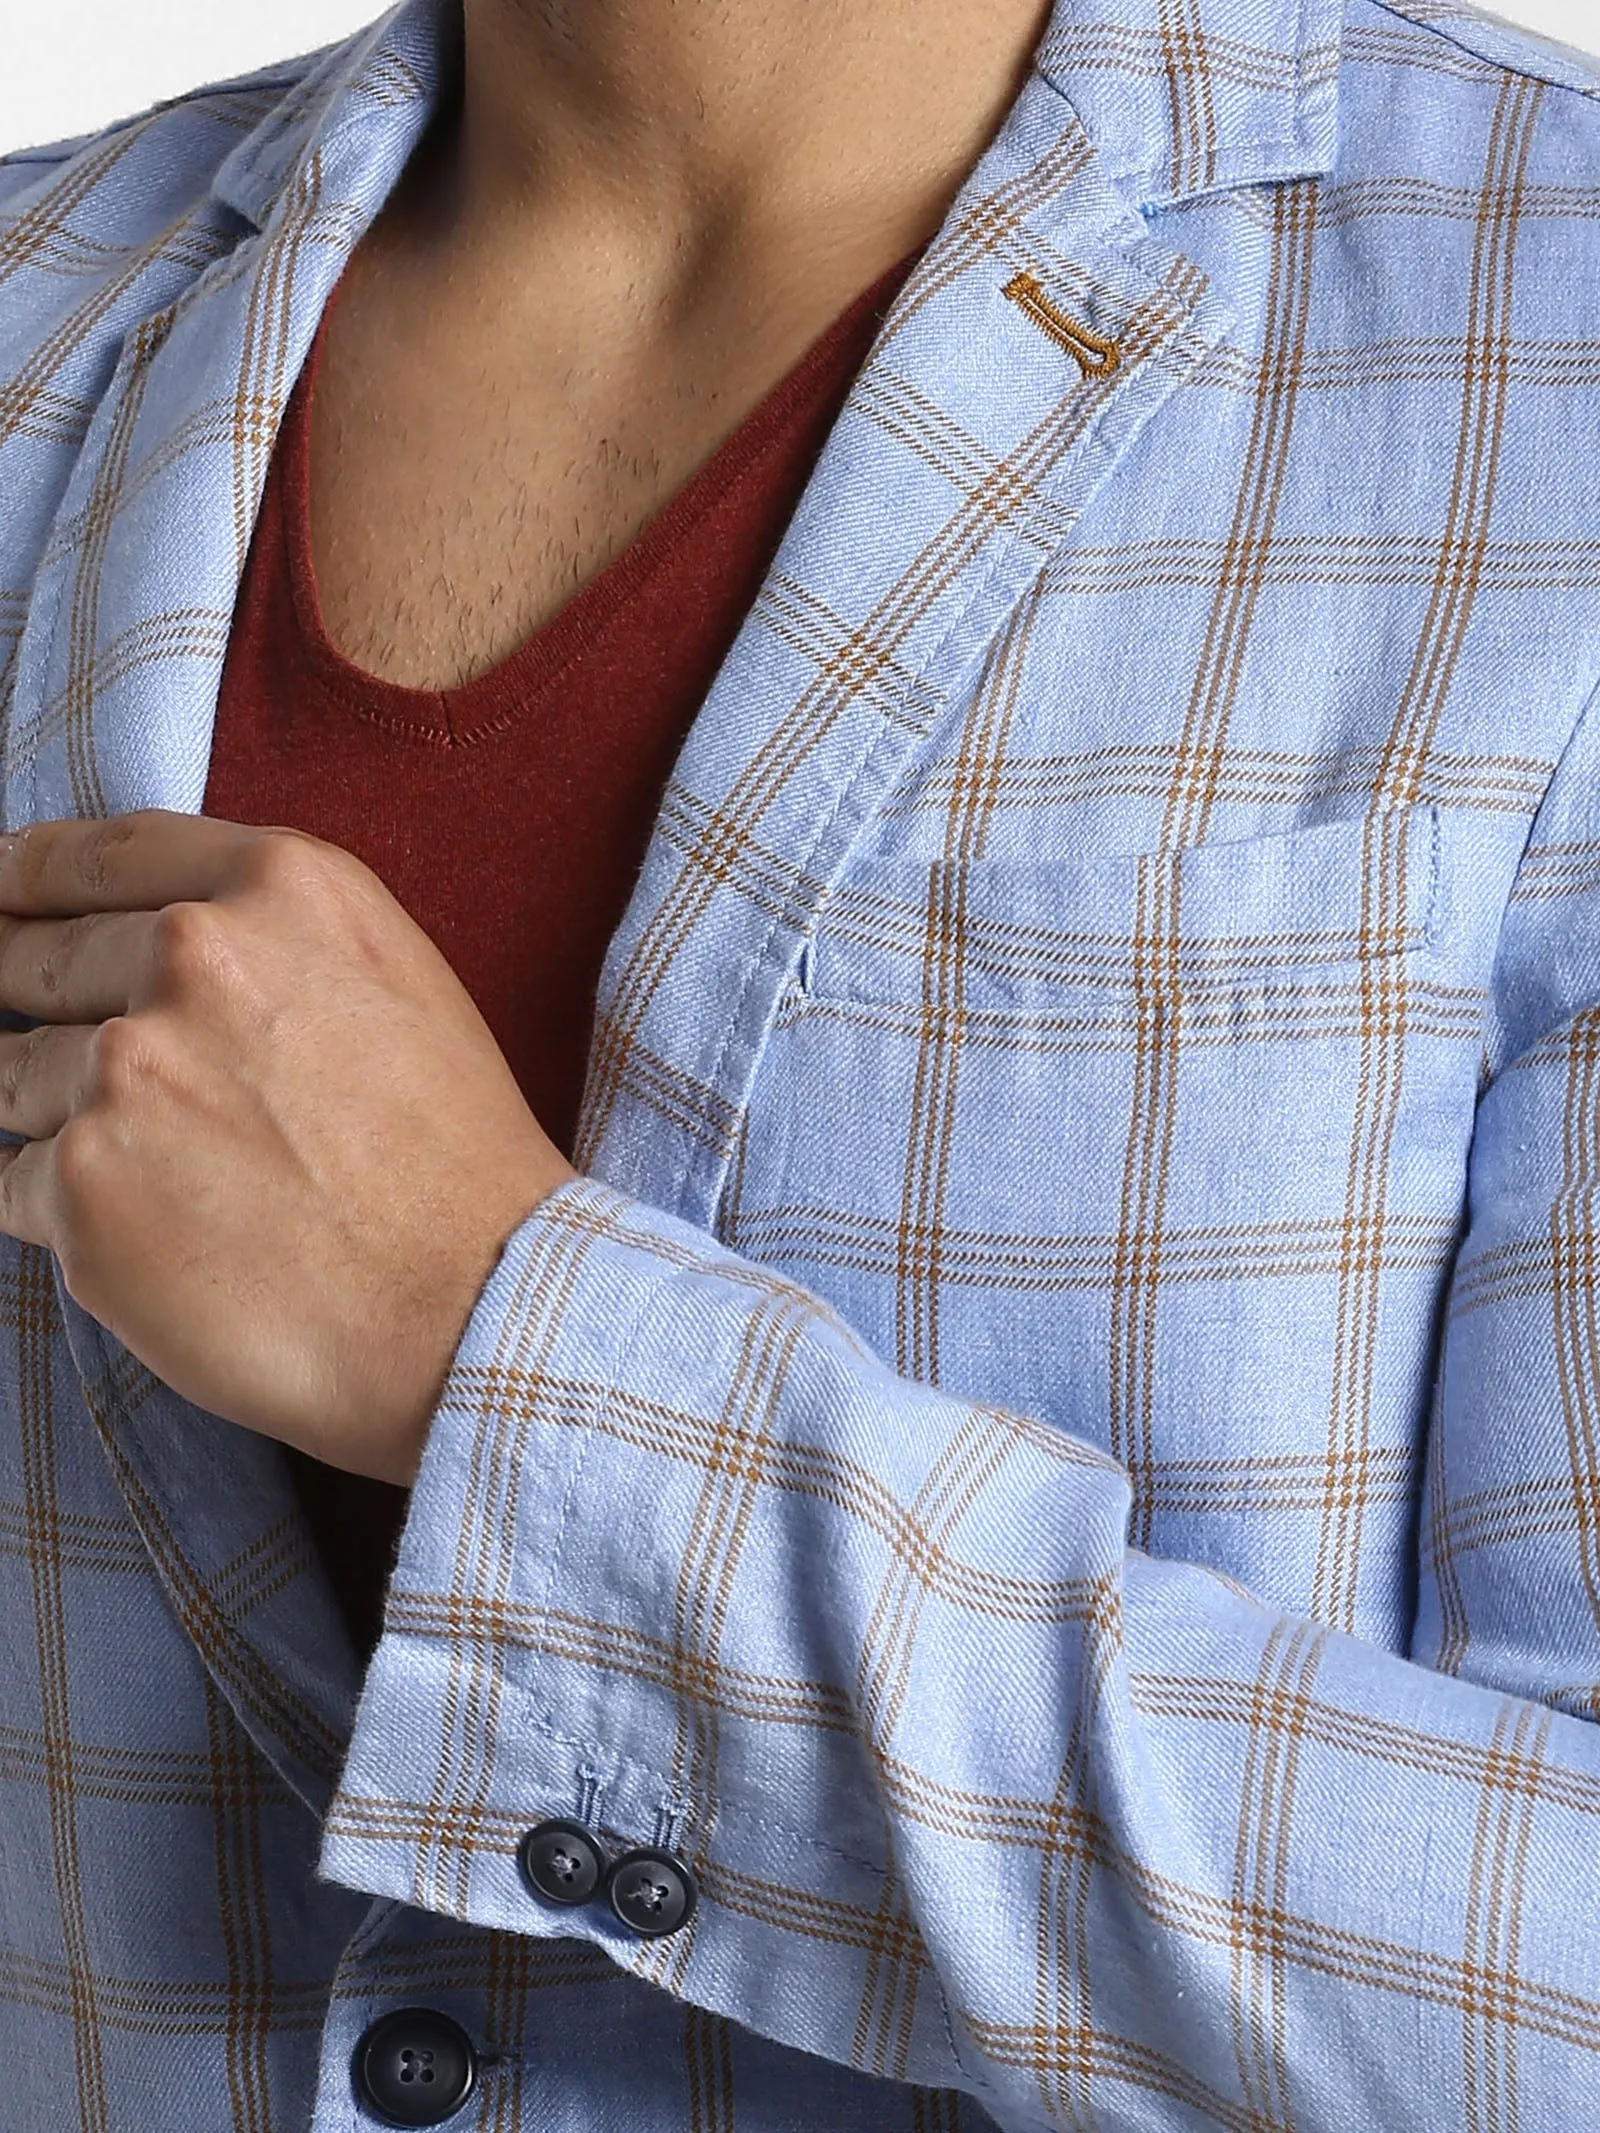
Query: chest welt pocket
1148, 1146
1204, 923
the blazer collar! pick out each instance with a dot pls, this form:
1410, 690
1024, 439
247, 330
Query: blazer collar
375, 90
1183, 97
1180, 97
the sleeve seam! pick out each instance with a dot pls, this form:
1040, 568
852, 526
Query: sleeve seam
1491, 1068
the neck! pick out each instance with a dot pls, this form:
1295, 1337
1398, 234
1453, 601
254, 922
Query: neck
676, 126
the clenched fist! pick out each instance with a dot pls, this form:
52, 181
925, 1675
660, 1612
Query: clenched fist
270, 1139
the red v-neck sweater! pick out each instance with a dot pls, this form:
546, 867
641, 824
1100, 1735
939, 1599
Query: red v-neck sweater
510, 816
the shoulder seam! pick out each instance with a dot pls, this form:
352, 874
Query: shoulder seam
268, 83
1450, 35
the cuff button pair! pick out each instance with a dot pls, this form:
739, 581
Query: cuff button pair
651, 1892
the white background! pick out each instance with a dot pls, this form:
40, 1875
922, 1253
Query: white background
69, 65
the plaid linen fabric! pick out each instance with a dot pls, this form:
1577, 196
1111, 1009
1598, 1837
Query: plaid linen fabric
1054, 1454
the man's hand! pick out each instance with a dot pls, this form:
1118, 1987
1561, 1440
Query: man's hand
271, 1140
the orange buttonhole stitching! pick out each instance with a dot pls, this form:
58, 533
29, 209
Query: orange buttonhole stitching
1096, 357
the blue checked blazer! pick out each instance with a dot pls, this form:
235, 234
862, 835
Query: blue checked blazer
1054, 1451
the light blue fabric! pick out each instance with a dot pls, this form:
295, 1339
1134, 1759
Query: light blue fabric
1055, 1452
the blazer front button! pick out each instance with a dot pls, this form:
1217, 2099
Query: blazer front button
414, 2067
652, 1892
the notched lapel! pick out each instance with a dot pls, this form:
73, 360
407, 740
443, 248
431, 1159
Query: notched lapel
967, 451
115, 698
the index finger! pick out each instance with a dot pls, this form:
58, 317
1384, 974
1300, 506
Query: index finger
133, 862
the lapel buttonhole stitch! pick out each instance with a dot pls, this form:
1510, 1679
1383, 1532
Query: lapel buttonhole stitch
1096, 357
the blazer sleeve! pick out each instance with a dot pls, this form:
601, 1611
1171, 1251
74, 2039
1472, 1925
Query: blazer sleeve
19, 174
978, 1796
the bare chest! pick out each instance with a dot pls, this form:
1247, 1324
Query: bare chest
468, 476
456, 507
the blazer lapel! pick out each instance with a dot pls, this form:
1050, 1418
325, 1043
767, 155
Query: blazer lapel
968, 451
116, 693
984, 423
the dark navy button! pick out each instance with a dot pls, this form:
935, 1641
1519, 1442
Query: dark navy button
415, 2068
651, 1892
561, 1862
